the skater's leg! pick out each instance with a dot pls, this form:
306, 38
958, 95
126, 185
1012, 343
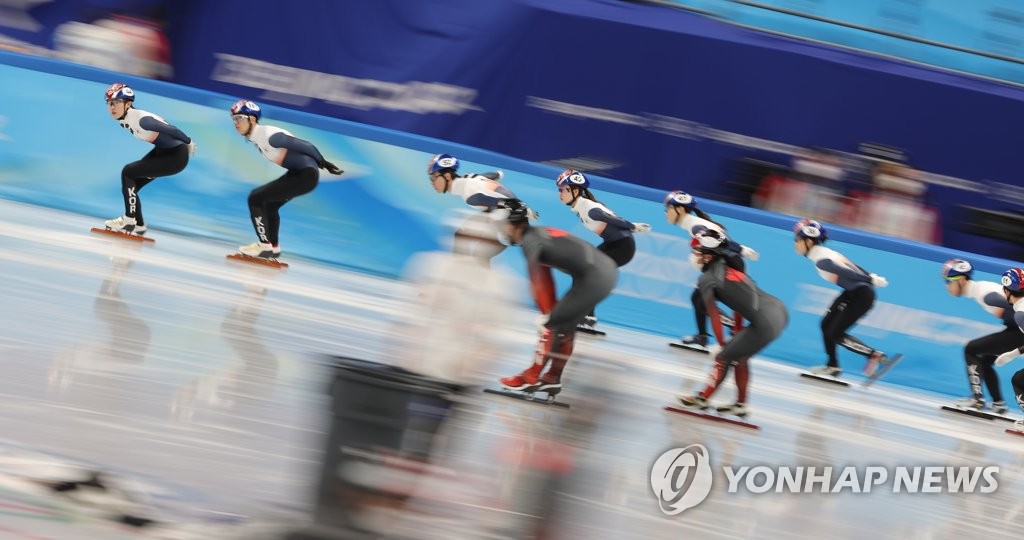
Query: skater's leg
700, 313
1018, 387
155, 164
266, 200
982, 352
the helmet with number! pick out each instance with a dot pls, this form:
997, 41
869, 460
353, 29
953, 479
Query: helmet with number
573, 178
809, 228
512, 210
956, 269
120, 91
443, 162
1013, 280
248, 108
708, 241
680, 198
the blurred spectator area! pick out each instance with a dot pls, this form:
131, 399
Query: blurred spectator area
873, 190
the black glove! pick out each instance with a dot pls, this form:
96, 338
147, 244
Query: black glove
329, 167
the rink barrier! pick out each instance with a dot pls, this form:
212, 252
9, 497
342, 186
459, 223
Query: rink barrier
59, 148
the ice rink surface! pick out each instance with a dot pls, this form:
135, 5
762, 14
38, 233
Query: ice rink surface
205, 382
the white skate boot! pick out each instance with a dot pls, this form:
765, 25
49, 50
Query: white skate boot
259, 250
827, 371
972, 402
125, 224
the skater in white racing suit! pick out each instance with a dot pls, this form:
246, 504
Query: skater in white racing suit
303, 162
980, 353
681, 210
170, 154
1013, 288
616, 233
854, 302
481, 191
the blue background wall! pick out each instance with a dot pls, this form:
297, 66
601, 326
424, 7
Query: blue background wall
59, 148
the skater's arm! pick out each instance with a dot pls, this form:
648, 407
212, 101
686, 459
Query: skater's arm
737, 324
842, 272
294, 144
716, 318
149, 123
707, 283
484, 200
598, 214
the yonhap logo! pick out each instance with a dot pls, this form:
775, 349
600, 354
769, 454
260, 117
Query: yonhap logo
681, 478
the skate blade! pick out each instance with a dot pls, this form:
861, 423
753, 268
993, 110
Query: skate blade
978, 414
710, 416
524, 396
880, 372
273, 263
825, 378
119, 234
686, 347
590, 331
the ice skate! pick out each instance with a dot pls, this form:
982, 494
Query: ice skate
125, 224
526, 385
1017, 429
735, 409
260, 253
124, 227
972, 402
259, 250
698, 343
829, 374
693, 402
589, 326
999, 407
827, 371
878, 365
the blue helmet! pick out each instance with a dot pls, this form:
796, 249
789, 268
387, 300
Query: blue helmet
120, 91
957, 268
809, 228
246, 107
1013, 280
441, 162
680, 198
573, 178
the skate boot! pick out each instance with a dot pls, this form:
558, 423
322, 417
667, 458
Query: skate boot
588, 324
698, 342
125, 224
693, 402
549, 384
1018, 425
999, 407
973, 402
527, 381
258, 250
875, 361
736, 409
827, 371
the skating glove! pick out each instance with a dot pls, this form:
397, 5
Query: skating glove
1005, 358
641, 227
496, 175
329, 167
713, 350
748, 253
879, 281
192, 147
532, 214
